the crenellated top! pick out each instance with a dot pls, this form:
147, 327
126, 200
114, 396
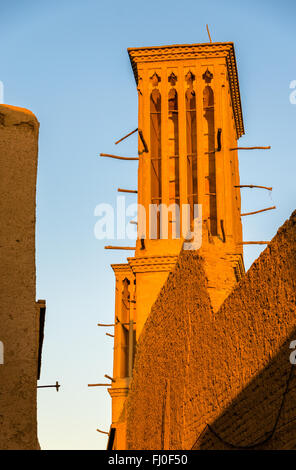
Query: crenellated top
140, 55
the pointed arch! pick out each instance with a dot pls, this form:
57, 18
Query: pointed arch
173, 141
124, 319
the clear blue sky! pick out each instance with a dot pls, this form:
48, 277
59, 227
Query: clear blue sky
66, 61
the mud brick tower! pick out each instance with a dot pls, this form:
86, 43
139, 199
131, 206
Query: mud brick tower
190, 117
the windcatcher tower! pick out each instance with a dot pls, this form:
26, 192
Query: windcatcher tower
190, 117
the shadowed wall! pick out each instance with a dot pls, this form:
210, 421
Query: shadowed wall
227, 369
18, 310
263, 415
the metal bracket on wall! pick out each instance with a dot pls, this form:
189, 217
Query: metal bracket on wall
56, 386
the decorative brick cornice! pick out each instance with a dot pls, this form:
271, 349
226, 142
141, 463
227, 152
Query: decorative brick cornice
119, 388
192, 51
152, 263
123, 268
118, 392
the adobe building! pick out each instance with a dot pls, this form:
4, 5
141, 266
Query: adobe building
207, 380
189, 121
21, 317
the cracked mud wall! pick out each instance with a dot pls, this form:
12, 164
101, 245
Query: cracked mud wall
18, 313
227, 369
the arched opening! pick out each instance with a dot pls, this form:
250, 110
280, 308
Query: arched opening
208, 105
124, 320
191, 139
155, 146
173, 150
173, 135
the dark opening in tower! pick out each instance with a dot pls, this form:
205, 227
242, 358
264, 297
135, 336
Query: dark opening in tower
173, 135
155, 144
124, 320
208, 104
191, 137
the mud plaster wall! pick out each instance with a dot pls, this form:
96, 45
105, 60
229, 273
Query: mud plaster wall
227, 369
18, 374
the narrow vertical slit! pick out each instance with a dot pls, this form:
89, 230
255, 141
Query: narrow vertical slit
155, 152
191, 138
208, 103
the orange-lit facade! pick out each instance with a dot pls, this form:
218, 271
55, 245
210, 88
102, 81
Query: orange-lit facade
190, 117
